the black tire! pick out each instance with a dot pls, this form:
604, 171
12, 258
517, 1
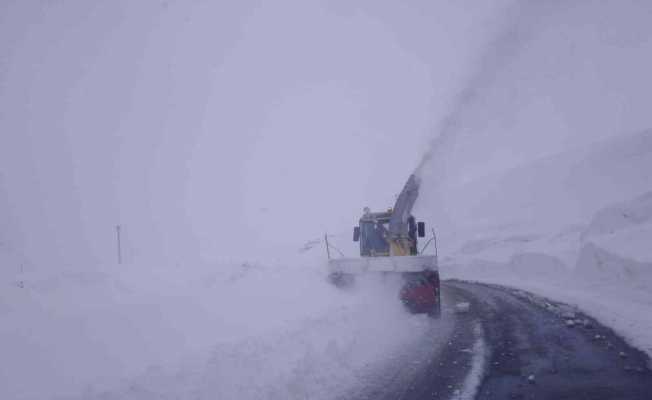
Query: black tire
341, 280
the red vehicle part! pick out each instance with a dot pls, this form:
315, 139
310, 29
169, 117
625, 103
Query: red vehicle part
421, 292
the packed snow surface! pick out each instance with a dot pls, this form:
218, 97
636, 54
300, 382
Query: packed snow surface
221, 331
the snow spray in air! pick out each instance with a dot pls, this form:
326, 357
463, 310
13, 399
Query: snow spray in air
505, 46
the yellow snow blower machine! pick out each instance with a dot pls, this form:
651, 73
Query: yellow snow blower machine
389, 244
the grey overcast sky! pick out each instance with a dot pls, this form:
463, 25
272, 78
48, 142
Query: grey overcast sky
240, 130
215, 129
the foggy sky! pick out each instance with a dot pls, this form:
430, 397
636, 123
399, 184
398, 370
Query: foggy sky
215, 129
241, 130
564, 76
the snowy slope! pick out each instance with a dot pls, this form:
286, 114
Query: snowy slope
221, 331
624, 229
601, 262
550, 194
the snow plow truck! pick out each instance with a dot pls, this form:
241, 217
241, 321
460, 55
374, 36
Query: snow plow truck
389, 245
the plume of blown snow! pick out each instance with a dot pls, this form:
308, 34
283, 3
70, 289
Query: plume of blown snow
517, 28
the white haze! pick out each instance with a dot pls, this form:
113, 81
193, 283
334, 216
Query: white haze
561, 77
222, 136
214, 130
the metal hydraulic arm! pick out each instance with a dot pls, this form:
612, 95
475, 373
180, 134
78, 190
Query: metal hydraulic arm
399, 223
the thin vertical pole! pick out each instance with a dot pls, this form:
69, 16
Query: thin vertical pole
435, 238
21, 282
328, 250
117, 230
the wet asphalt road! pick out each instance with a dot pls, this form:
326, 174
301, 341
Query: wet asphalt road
533, 349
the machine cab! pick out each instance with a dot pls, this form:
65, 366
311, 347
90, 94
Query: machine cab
373, 234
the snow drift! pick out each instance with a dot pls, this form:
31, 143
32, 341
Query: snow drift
603, 263
222, 331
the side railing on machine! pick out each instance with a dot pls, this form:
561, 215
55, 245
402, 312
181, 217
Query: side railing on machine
330, 246
432, 239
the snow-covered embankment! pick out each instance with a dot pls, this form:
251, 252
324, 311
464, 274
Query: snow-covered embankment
603, 265
228, 332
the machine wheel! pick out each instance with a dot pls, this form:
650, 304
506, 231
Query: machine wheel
341, 280
420, 293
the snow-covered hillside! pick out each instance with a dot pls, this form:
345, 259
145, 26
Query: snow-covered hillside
601, 262
546, 195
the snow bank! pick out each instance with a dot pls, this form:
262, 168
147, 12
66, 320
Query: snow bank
598, 266
610, 276
229, 331
624, 229
551, 198
621, 216
575, 227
